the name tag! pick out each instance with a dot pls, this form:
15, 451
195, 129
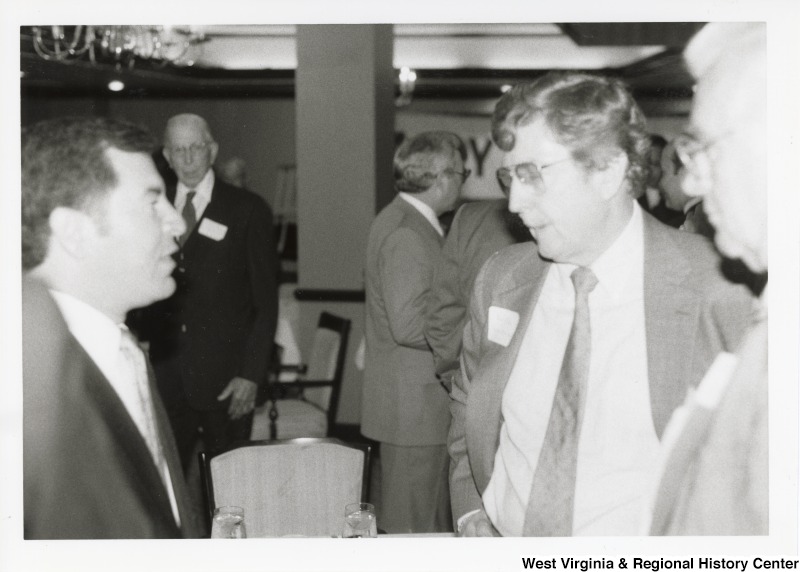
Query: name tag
212, 229
502, 325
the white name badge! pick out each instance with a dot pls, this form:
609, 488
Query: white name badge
502, 325
212, 229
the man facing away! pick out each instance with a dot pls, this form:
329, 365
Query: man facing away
715, 470
403, 405
97, 233
578, 346
211, 342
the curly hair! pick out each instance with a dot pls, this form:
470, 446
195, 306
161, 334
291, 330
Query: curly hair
594, 116
413, 160
64, 165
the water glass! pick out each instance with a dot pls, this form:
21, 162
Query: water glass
228, 522
360, 521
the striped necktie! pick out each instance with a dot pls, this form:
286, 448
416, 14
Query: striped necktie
552, 498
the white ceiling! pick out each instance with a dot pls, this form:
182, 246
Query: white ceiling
425, 46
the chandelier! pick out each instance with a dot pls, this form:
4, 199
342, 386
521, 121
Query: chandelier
122, 45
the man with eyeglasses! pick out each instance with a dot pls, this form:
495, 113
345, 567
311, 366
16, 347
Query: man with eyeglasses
716, 471
580, 345
403, 405
211, 342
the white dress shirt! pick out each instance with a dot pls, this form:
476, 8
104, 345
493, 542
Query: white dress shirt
424, 210
201, 198
618, 445
101, 337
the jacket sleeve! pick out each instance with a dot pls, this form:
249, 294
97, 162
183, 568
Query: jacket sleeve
464, 494
447, 306
263, 268
405, 267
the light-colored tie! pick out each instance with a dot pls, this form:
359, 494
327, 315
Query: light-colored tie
552, 498
134, 359
189, 216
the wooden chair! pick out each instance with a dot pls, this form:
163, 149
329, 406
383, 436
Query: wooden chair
291, 487
307, 407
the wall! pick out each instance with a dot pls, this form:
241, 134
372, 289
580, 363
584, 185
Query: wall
261, 131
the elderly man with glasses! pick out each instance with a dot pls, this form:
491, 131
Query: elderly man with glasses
211, 342
403, 405
581, 344
715, 473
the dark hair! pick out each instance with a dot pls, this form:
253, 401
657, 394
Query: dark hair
595, 116
64, 165
413, 160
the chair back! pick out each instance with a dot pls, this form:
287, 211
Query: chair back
326, 362
291, 487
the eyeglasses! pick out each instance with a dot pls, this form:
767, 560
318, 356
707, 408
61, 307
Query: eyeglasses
529, 174
463, 174
193, 149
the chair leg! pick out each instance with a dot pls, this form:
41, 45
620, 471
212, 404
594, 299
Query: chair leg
273, 420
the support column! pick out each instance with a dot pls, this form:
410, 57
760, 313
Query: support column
345, 141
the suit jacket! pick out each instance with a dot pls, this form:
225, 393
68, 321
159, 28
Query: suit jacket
88, 473
402, 401
220, 322
479, 230
716, 481
691, 314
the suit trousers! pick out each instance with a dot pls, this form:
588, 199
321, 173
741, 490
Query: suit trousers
215, 426
414, 489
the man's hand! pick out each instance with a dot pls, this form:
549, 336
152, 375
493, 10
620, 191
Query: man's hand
478, 524
243, 396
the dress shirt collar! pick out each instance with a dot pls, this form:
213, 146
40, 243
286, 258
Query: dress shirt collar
424, 210
694, 201
203, 189
623, 261
619, 265
95, 331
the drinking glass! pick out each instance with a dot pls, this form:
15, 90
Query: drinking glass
228, 522
360, 521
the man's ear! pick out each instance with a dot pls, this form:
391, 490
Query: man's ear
72, 230
214, 147
611, 178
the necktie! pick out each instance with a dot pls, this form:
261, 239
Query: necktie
189, 215
552, 497
133, 358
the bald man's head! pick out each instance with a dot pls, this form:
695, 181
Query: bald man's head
189, 147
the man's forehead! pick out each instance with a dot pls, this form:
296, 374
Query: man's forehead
185, 131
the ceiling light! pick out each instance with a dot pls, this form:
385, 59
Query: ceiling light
122, 45
116, 85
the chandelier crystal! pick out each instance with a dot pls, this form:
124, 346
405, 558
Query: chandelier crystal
122, 45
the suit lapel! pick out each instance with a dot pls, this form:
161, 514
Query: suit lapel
671, 310
173, 460
484, 415
132, 446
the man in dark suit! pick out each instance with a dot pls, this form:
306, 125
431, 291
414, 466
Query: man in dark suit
403, 405
100, 460
211, 342
715, 472
578, 346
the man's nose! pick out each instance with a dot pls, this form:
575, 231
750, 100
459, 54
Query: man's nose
691, 185
172, 223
